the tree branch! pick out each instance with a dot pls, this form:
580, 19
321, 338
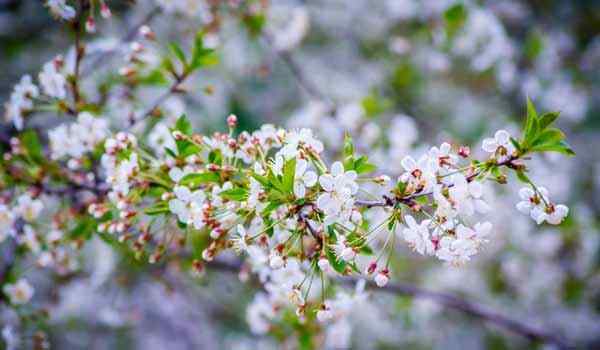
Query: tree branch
447, 300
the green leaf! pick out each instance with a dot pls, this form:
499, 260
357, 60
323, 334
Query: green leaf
178, 52
516, 144
263, 180
559, 147
32, 144
196, 179
549, 136
348, 146
183, 125
215, 157
254, 23
186, 148
531, 124
547, 119
362, 165
338, 265
157, 209
234, 194
154, 77
201, 55
289, 171
84, 228
455, 17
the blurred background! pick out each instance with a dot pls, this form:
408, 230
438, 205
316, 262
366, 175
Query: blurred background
400, 76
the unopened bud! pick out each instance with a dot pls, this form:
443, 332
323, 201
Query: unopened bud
147, 33
464, 151
90, 25
105, 10
232, 120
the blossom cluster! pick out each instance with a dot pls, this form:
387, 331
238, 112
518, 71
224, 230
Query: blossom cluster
53, 83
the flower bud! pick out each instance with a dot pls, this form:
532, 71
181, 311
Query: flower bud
382, 278
464, 151
105, 10
232, 120
147, 33
372, 267
90, 25
324, 265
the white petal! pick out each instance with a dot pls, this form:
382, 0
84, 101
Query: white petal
337, 169
327, 182
408, 163
525, 193
301, 165
309, 178
175, 174
183, 193
524, 207
350, 175
489, 145
299, 189
502, 137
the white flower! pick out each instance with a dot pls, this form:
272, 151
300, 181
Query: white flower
553, 214
302, 138
467, 196
61, 10
276, 260
538, 206
419, 174
253, 200
28, 208
30, 239
337, 201
343, 250
160, 138
259, 314
187, 205
21, 101
418, 236
12, 339
19, 292
324, 314
382, 278
303, 178
78, 138
500, 145
240, 243
7, 219
53, 83
176, 174
458, 250
442, 157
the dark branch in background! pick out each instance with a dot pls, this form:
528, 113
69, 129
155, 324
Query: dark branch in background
173, 89
304, 83
447, 300
130, 35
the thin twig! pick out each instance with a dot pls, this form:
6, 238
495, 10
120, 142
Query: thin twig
304, 83
131, 33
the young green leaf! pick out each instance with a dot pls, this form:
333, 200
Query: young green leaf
234, 194
183, 125
196, 179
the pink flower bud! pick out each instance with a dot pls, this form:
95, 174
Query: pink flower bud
105, 10
232, 120
90, 25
